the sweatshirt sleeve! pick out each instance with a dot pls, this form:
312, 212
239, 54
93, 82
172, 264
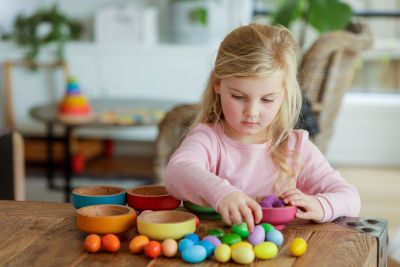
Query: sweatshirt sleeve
190, 171
336, 196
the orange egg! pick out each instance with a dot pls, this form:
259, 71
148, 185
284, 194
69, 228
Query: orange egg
138, 243
110, 243
152, 249
92, 243
169, 247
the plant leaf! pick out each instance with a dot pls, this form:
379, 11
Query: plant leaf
329, 15
288, 11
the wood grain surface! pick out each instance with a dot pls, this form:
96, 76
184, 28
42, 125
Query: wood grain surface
45, 234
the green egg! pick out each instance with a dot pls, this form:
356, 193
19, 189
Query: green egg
231, 239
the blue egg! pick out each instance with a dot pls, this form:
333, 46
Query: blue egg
184, 244
275, 237
208, 246
195, 238
194, 254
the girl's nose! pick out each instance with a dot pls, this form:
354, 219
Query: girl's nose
252, 110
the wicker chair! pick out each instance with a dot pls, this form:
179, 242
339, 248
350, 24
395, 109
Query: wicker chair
327, 71
170, 133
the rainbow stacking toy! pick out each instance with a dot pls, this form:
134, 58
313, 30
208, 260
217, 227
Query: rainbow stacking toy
74, 104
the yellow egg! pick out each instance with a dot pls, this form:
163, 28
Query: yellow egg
298, 246
266, 250
241, 244
169, 247
243, 255
222, 253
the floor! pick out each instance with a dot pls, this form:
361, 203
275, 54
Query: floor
378, 187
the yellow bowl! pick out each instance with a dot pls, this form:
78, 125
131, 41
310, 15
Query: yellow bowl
105, 219
161, 225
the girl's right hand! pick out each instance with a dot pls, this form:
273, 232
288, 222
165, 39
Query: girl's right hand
237, 206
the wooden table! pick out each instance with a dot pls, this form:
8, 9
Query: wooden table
45, 234
106, 113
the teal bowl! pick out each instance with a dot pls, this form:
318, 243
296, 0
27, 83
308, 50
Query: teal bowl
95, 195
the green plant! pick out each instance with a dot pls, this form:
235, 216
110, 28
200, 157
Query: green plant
43, 27
322, 15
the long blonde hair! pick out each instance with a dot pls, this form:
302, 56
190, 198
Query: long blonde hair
259, 50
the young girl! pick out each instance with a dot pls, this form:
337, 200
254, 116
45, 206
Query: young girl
243, 147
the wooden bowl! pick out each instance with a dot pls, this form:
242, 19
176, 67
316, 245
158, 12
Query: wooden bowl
161, 225
203, 212
105, 219
94, 195
152, 197
278, 217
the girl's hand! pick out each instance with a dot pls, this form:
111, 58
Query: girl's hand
308, 203
237, 206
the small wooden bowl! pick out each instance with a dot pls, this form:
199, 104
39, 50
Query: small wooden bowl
94, 195
152, 197
161, 225
105, 219
278, 217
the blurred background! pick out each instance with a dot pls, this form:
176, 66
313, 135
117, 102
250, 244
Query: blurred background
163, 50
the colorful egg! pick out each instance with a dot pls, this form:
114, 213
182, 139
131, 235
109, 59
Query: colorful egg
231, 239
152, 249
138, 243
242, 230
222, 253
298, 247
267, 228
208, 246
194, 254
195, 238
216, 232
213, 239
184, 244
243, 255
169, 247
257, 236
241, 244
265, 250
275, 237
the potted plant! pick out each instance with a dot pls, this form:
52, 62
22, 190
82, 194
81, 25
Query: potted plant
322, 15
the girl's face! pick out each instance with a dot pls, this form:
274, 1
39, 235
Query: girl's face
250, 104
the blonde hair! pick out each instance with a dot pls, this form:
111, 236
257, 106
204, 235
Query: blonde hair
259, 50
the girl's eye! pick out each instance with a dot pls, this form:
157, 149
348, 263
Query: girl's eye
238, 97
264, 100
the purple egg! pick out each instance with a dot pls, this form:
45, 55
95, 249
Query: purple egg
257, 236
268, 201
213, 239
278, 203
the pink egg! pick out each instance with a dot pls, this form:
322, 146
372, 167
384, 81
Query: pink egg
169, 247
257, 236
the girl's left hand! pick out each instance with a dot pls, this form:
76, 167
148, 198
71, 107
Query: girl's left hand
308, 203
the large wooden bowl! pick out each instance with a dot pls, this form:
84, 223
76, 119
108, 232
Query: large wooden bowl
94, 195
161, 225
105, 219
152, 197
279, 217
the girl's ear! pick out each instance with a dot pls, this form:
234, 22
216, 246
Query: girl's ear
217, 87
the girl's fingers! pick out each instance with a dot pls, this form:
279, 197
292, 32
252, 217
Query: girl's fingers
256, 211
306, 215
226, 216
289, 193
248, 217
236, 216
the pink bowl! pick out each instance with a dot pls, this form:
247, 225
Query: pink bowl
278, 217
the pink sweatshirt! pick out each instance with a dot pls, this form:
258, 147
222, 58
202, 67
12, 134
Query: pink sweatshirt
209, 165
